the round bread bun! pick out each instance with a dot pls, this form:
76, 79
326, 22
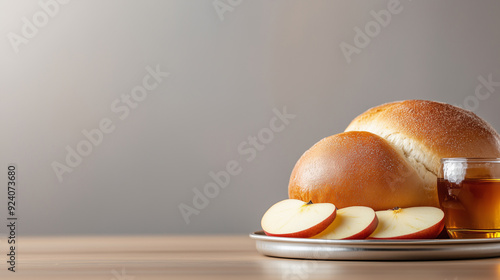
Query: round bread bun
417, 134
357, 168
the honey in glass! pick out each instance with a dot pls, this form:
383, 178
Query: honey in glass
469, 194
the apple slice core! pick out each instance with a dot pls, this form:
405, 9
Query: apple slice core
296, 218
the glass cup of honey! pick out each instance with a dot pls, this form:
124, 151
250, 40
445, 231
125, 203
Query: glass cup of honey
469, 194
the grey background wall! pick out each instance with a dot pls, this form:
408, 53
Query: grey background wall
231, 65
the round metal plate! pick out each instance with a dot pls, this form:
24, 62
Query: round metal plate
322, 249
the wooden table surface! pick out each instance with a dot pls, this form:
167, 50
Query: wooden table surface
208, 257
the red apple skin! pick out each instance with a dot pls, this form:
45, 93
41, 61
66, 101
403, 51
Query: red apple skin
443, 234
366, 232
312, 231
428, 233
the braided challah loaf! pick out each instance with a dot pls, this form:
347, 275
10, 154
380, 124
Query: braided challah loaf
389, 155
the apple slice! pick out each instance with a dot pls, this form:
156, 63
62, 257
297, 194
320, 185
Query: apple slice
355, 222
409, 223
295, 218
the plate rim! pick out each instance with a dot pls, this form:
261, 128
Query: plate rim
260, 235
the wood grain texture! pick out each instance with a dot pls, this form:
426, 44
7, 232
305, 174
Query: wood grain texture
208, 257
